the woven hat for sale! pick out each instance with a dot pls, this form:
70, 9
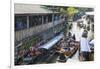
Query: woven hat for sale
62, 51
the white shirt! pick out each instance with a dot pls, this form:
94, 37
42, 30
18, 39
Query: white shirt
84, 45
92, 42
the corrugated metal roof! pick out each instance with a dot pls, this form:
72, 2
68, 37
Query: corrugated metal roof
52, 41
30, 9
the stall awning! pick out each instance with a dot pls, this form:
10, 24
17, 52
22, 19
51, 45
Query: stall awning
89, 13
52, 42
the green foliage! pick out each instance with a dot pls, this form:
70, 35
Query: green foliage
71, 11
29, 43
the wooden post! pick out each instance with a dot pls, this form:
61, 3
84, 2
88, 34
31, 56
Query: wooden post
27, 26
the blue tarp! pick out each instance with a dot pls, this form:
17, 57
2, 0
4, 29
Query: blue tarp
52, 41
